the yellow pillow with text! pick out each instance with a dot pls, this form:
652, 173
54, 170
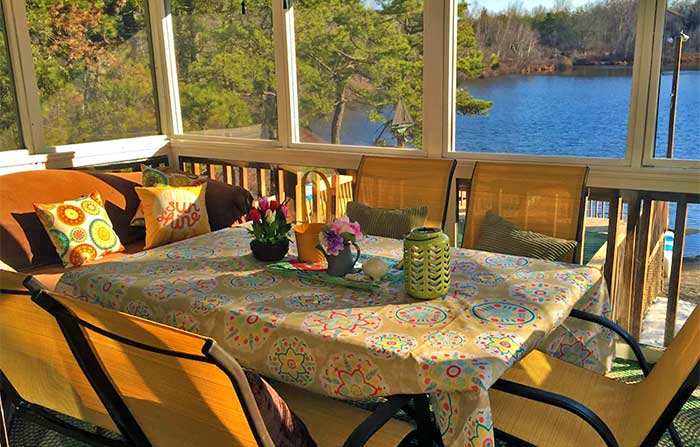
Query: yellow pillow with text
173, 213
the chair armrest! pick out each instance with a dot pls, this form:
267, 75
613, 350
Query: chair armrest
381, 415
563, 402
636, 349
33, 285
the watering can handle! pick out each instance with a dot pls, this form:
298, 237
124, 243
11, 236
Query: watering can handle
324, 179
357, 247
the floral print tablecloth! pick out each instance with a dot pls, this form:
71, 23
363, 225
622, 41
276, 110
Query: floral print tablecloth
359, 344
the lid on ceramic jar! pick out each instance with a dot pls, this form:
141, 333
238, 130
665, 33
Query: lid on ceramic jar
423, 234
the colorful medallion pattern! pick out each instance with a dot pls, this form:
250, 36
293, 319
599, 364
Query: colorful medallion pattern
247, 328
259, 280
417, 315
505, 261
342, 322
309, 300
108, 290
206, 304
261, 297
581, 280
164, 289
539, 292
507, 346
487, 278
352, 375
140, 309
453, 371
388, 345
190, 253
503, 314
290, 360
182, 320
444, 339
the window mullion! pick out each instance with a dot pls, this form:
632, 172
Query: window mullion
285, 67
439, 40
165, 66
26, 87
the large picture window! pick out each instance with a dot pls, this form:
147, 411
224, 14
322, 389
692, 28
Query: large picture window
226, 68
678, 117
93, 65
360, 71
9, 129
545, 80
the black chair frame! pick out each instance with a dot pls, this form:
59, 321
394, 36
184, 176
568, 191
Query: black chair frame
664, 423
72, 328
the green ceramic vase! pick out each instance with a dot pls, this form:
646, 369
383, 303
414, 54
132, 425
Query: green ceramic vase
426, 255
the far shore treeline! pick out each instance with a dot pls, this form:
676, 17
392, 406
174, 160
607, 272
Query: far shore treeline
93, 64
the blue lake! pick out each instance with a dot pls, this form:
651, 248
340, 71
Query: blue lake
582, 113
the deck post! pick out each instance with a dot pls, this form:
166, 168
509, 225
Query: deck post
674, 283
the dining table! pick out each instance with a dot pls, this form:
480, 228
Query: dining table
352, 343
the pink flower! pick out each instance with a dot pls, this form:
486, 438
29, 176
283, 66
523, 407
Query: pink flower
254, 215
284, 210
274, 204
262, 204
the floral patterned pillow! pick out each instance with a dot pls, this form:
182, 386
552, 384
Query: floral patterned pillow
80, 229
153, 177
173, 214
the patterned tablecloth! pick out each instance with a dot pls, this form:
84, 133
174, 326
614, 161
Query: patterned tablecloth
357, 344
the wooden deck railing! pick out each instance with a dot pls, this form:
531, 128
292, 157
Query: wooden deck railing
634, 222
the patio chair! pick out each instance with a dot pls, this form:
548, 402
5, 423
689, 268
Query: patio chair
545, 199
545, 401
153, 384
394, 182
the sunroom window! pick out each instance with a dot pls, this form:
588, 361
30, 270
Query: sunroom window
551, 80
678, 117
360, 72
9, 129
226, 68
94, 72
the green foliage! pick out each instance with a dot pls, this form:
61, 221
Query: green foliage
92, 62
271, 230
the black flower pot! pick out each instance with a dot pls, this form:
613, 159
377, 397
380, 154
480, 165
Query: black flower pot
267, 252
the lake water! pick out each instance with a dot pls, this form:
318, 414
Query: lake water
582, 113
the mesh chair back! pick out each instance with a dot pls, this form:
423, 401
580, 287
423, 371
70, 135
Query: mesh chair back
36, 360
664, 387
167, 386
542, 198
393, 182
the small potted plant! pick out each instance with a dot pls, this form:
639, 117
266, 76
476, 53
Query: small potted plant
270, 230
336, 238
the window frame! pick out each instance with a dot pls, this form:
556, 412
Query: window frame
27, 94
652, 106
632, 128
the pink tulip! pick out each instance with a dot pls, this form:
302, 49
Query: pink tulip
262, 203
284, 210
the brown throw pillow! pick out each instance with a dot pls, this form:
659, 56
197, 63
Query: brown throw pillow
387, 222
499, 235
285, 428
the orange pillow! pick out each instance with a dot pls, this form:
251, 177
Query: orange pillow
173, 213
80, 229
